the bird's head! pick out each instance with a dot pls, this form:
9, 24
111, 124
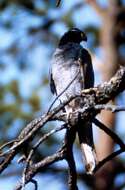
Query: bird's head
74, 35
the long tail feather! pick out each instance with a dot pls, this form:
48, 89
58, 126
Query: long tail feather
87, 146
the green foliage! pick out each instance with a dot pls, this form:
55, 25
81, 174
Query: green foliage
34, 101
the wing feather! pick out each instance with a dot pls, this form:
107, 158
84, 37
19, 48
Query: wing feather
88, 72
52, 84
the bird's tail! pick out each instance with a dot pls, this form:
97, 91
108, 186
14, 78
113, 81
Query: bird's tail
87, 146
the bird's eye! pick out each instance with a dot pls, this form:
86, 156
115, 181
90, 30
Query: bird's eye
82, 35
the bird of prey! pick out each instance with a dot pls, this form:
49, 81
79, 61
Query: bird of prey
71, 71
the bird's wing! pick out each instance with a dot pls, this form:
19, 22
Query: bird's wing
52, 84
85, 128
87, 69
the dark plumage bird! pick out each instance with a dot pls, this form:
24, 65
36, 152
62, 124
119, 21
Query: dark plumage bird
71, 62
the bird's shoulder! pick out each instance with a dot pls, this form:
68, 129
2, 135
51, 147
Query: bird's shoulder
85, 55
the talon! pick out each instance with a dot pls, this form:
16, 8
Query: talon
69, 115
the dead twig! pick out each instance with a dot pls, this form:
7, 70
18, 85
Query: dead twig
58, 3
112, 108
69, 140
99, 10
108, 158
108, 131
28, 160
37, 167
91, 97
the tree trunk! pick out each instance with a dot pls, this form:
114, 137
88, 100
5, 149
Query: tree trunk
104, 177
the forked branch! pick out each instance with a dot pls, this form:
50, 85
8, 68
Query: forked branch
94, 101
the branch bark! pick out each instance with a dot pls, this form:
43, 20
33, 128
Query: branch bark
91, 97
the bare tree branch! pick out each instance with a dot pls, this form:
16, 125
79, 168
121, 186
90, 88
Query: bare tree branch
95, 5
108, 131
42, 139
108, 158
69, 140
91, 98
35, 168
58, 3
112, 108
